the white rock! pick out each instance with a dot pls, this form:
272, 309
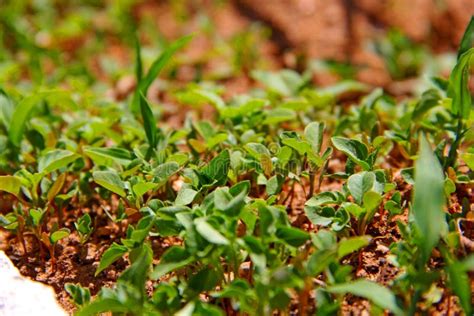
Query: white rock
21, 296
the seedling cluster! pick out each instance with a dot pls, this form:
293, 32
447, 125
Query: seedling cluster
270, 200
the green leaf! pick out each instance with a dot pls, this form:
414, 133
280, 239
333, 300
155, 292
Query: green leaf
208, 232
360, 183
218, 168
185, 196
59, 234
378, 294
56, 159
56, 187
256, 150
164, 268
149, 122
166, 170
36, 216
204, 280
111, 255
224, 201
428, 199
110, 180
349, 245
468, 159
458, 89
274, 185
354, 149
156, 67
292, 236
467, 40
143, 187
108, 156
10, 184
20, 117
314, 134
371, 201
460, 283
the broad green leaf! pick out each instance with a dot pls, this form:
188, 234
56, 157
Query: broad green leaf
256, 150
428, 199
10, 184
349, 245
209, 233
354, 149
164, 268
227, 203
274, 185
143, 187
36, 216
292, 236
110, 180
314, 134
360, 183
166, 170
302, 147
218, 168
371, 201
149, 122
111, 255
204, 280
185, 196
107, 156
458, 89
378, 294
56, 159
156, 67
59, 234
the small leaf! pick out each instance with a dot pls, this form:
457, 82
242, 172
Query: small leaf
111, 255
208, 232
360, 183
292, 236
56, 159
378, 294
108, 156
59, 234
10, 184
227, 203
218, 168
274, 185
143, 187
314, 134
428, 199
349, 245
185, 196
354, 149
110, 180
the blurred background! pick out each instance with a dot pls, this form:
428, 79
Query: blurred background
389, 43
